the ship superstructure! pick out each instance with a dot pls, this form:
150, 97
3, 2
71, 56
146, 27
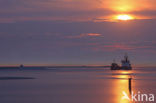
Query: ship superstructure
126, 63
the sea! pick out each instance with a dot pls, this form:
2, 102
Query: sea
77, 85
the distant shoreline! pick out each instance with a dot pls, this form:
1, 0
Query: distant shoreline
45, 67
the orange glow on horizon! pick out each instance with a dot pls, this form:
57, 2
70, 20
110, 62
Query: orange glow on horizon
125, 10
124, 17
125, 6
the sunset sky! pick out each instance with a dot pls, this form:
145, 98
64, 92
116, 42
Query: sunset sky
77, 32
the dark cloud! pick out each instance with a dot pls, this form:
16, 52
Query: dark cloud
150, 13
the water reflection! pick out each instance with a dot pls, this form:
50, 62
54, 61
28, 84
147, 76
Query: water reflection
123, 84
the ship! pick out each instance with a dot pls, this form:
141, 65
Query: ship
125, 64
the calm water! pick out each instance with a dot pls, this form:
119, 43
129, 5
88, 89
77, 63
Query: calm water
74, 85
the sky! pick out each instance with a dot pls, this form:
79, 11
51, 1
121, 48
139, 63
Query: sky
77, 32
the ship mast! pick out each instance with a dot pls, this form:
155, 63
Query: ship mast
126, 57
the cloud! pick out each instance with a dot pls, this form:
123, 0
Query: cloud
73, 10
125, 47
85, 35
73, 42
129, 47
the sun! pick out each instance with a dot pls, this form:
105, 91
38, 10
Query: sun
124, 17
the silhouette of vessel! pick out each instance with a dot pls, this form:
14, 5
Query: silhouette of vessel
125, 64
21, 66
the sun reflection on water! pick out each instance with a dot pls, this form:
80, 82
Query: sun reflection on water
123, 83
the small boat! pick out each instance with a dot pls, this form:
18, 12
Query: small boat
125, 64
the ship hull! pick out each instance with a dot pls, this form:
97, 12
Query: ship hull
121, 68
